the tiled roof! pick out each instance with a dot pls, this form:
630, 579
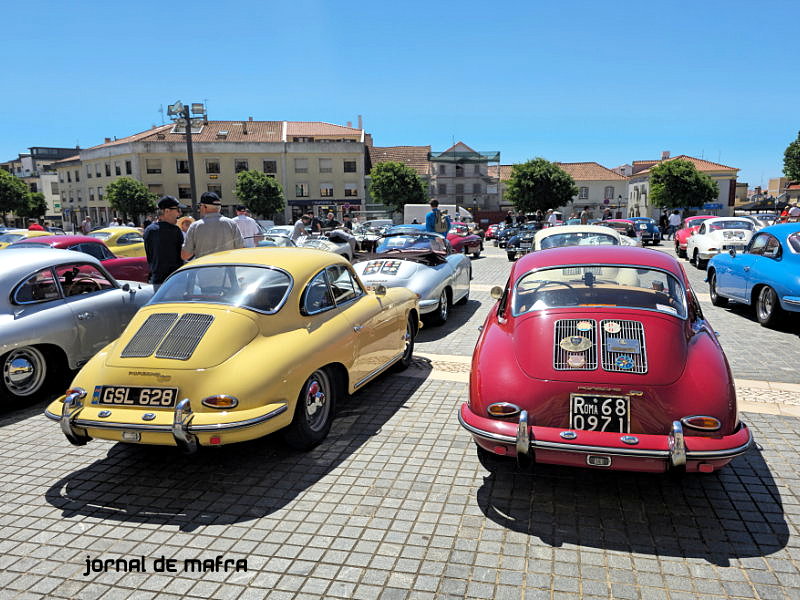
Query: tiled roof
583, 171
454, 148
415, 157
67, 160
793, 186
312, 128
256, 131
590, 171
699, 163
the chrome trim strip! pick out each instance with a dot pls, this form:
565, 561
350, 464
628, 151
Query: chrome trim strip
487, 435
239, 424
792, 302
379, 370
600, 450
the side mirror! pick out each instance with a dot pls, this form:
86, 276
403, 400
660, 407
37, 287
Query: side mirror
126, 287
496, 292
380, 290
732, 252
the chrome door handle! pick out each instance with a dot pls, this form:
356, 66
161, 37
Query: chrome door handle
357, 328
84, 316
746, 269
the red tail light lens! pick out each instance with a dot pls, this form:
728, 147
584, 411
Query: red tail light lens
220, 401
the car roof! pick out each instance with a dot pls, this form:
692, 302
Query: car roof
29, 260
723, 219
615, 255
781, 229
297, 261
59, 240
548, 231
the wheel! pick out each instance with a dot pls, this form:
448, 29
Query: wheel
25, 373
408, 352
477, 253
678, 252
716, 299
512, 256
768, 307
313, 414
442, 310
701, 263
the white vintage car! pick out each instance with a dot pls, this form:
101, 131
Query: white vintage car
716, 235
579, 235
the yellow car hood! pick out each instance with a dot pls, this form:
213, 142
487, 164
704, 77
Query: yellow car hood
174, 336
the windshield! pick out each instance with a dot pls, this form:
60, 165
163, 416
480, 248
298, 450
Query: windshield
259, 288
731, 225
592, 286
415, 243
7, 238
100, 235
578, 238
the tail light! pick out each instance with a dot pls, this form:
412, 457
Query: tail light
220, 401
702, 423
503, 409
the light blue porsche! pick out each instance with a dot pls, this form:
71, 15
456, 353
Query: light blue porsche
765, 275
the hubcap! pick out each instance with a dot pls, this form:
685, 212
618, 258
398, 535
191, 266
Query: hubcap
443, 306
766, 303
316, 401
24, 371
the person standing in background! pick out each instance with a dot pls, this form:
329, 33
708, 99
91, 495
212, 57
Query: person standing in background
251, 232
213, 232
163, 241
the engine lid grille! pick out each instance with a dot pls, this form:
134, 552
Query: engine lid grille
624, 349
149, 336
184, 337
574, 348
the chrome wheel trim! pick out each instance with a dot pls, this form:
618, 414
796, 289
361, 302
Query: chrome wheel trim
443, 308
24, 371
316, 405
766, 303
408, 340
712, 286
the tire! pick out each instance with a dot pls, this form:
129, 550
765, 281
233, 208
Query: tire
768, 307
512, 256
313, 414
442, 310
27, 372
678, 252
477, 254
408, 353
716, 299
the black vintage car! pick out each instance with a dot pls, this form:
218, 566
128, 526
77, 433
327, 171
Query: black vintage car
505, 234
647, 229
522, 242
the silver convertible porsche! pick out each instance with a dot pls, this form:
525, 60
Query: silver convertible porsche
57, 309
423, 262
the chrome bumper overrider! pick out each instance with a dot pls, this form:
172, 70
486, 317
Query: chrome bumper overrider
182, 430
676, 453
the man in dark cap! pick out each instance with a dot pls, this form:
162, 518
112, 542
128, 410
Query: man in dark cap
212, 232
163, 240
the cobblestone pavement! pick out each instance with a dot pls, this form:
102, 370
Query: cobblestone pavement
396, 504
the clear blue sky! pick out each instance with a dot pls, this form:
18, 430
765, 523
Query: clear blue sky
571, 81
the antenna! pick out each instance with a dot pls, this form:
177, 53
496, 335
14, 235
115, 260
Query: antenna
161, 110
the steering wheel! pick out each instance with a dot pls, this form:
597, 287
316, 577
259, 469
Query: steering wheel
544, 283
89, 286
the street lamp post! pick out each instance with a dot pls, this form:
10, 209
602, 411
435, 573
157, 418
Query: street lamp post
180, 113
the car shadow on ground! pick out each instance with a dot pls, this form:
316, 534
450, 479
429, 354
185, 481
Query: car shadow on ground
225, 485
459, 316
734, 513
788, 322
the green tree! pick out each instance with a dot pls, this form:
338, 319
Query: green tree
13, 194
394, 184
678, 184
130, 197
35, 206
791, 160
538, 185
262, 194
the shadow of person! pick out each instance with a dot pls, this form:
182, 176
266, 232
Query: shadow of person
224, 485
734, 513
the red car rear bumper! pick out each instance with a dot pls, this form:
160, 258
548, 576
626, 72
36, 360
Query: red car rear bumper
626, 452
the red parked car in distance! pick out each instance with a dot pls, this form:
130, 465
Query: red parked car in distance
601, 357
688, 227
491, 231
463, 240
127, 268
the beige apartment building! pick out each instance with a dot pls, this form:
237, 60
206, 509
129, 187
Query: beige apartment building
319, 165
465, 177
